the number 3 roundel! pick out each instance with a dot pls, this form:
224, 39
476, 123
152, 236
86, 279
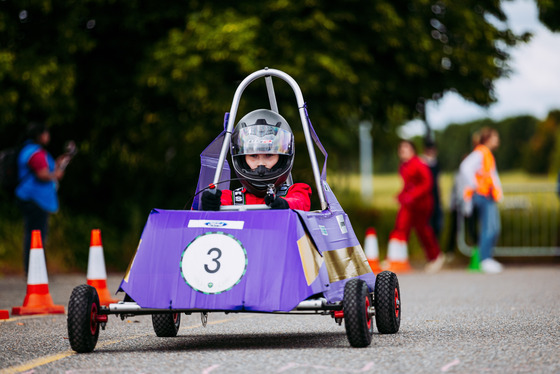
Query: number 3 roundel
213, 262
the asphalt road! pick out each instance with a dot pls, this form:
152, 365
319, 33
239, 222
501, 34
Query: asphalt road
453, 322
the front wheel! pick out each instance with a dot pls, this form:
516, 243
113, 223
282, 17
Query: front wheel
82, 323
387, 302
357, 316
166, 325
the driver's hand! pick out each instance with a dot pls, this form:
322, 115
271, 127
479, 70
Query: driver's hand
276, 202
211, 201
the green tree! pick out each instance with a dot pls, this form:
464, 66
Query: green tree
142, 87
39, 41
514, 132
549, 14
455, 142
539, 156
555, 157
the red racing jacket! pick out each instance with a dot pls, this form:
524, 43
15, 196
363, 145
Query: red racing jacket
298, 197
418, 181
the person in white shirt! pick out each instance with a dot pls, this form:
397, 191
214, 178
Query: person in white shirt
483, 190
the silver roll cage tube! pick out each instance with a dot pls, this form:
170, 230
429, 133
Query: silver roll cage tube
268, 74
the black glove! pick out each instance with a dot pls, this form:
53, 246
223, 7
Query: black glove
276, 202
211, 201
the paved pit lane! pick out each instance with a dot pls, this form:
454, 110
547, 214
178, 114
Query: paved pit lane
452, 322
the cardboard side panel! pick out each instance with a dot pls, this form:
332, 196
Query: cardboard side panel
219, 260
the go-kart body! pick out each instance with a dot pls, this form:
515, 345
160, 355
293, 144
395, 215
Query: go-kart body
278, 258
243, 261
247, 258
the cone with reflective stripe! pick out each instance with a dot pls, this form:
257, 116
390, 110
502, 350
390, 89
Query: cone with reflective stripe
4, 314
96, 274
397, 255
38, 299
371, 248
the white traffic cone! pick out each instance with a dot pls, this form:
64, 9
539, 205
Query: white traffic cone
38, 300
371, 248
96, 274
397, 255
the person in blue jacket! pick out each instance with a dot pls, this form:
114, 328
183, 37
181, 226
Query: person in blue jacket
36, 193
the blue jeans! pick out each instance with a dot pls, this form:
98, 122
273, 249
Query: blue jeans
490, 225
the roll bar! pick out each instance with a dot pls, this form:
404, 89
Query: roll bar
268, 73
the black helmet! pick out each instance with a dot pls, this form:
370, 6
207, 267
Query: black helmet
262, 132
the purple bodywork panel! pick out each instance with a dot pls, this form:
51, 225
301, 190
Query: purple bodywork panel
274, 277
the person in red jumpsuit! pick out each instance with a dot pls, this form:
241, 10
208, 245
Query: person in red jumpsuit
262, 150
416, 204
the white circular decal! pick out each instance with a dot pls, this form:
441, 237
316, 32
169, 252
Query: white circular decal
213, 262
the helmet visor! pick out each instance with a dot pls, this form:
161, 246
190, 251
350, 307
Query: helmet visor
261, 139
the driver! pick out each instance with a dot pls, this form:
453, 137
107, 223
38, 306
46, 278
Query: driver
262, 151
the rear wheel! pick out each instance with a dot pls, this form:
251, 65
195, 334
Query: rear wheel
82, 324
357, 317
166, 325
387, 302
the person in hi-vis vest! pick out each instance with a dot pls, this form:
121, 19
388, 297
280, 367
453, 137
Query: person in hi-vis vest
483, 190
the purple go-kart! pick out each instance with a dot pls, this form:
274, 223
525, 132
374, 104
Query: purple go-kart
236, 261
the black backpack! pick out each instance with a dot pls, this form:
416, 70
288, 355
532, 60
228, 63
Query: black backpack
9, 178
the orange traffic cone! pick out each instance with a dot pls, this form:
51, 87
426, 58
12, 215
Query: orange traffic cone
397, 254
96, 274
4, 314
38, 299
371, 248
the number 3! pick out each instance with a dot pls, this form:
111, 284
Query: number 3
215, 259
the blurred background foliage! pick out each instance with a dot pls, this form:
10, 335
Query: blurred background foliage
142, 88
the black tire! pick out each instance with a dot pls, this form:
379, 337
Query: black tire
83, 329
357, 318
387, 302
166, 325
